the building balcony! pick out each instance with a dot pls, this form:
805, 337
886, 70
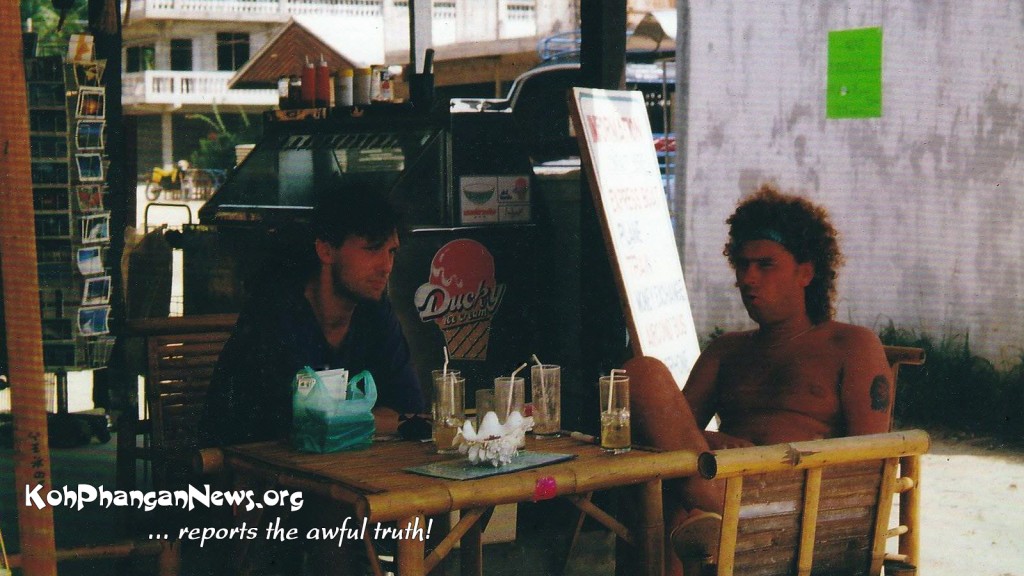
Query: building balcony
157, 90
249, 10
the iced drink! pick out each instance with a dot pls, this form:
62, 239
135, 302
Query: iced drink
615, 429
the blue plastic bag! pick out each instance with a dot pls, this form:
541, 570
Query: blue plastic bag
322, 423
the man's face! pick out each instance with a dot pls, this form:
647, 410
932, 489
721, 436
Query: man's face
771, 281
360, 268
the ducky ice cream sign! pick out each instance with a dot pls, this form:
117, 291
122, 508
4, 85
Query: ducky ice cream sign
461, 297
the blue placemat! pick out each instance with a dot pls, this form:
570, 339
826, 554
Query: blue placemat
462, 469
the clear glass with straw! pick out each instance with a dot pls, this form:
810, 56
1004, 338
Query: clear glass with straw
448, 408
615, 422
510, 396
546, 385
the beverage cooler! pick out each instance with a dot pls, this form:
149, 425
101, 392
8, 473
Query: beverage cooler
481, 269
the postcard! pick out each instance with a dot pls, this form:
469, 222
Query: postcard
96, 228
92, 103
96, 291
90, 167
93, 321
90, 134
89, 197
89, 260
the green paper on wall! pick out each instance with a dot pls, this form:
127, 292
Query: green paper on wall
854, 88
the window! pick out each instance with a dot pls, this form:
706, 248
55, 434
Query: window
181, 54
232, 50
139, 58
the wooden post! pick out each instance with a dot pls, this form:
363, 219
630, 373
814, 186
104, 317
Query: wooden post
411, 550
650, 537
910, 506
471, 551
21, 302
730, 523
809, 521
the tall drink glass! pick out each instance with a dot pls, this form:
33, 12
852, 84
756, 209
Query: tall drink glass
615, 429
546, 381
448, 408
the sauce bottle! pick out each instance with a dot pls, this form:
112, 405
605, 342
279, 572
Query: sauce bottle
323, 84
308, 85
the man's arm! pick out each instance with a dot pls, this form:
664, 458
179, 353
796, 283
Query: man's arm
702, 395
867, 391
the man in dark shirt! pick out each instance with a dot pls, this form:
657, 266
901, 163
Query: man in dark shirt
334, 315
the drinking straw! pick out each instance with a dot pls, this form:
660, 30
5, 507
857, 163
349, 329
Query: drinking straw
611, 386
444, 378
444, 369
541, 365
512, 388
3, 549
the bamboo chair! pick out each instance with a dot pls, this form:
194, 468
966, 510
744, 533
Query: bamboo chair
821, 507
181, 355
897, 357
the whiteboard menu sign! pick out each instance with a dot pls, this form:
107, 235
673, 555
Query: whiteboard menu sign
618, 154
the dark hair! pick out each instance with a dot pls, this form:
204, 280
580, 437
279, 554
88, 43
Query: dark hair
354, 210
803, 228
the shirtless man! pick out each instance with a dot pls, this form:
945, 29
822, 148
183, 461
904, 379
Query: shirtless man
798, 376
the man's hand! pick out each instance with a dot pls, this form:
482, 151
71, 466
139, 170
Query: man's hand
721, 441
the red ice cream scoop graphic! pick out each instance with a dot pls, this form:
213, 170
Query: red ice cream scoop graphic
461, 297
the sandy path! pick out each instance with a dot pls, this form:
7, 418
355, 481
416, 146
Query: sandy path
973, 510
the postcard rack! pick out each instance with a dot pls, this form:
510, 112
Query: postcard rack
67, 126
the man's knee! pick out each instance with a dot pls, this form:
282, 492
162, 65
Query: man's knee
649, 375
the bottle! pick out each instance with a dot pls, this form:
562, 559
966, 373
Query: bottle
387, 91
343, 90
361, 87
375, 83
308, 85
294, 92
283, 86
323, 84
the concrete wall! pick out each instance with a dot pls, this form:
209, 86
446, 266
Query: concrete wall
929, 198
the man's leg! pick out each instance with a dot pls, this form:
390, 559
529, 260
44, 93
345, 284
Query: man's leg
664, 420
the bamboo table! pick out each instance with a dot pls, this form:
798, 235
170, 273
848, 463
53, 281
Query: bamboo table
374, 486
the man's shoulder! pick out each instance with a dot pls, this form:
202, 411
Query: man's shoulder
849, 335
729, 342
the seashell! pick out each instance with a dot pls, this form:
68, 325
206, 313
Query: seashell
468, 433
489, 427
514, 422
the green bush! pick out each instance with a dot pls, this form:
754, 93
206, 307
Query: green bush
956, 388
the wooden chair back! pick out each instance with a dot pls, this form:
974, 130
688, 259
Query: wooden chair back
820, 507
181, 355
903, 355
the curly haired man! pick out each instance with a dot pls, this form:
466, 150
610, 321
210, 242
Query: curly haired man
798, 376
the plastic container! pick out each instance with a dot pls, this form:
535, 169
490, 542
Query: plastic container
343, 88
361, 86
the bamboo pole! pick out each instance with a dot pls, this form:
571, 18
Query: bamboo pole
910, 506
469, 519
885, 493
730, 524
817, 453
410, 550
21, 302
809, 521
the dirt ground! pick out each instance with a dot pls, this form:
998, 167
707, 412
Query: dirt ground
972, 508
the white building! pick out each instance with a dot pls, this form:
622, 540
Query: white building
928, 193
180, 54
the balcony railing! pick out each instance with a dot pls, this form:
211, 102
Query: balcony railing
252, 10
181, 88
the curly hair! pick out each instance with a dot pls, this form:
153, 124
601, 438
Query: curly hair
803, 228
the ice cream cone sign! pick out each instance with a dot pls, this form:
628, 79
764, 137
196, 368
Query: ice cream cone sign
461, 297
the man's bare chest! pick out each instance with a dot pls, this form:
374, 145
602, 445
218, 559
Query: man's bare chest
753, 383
